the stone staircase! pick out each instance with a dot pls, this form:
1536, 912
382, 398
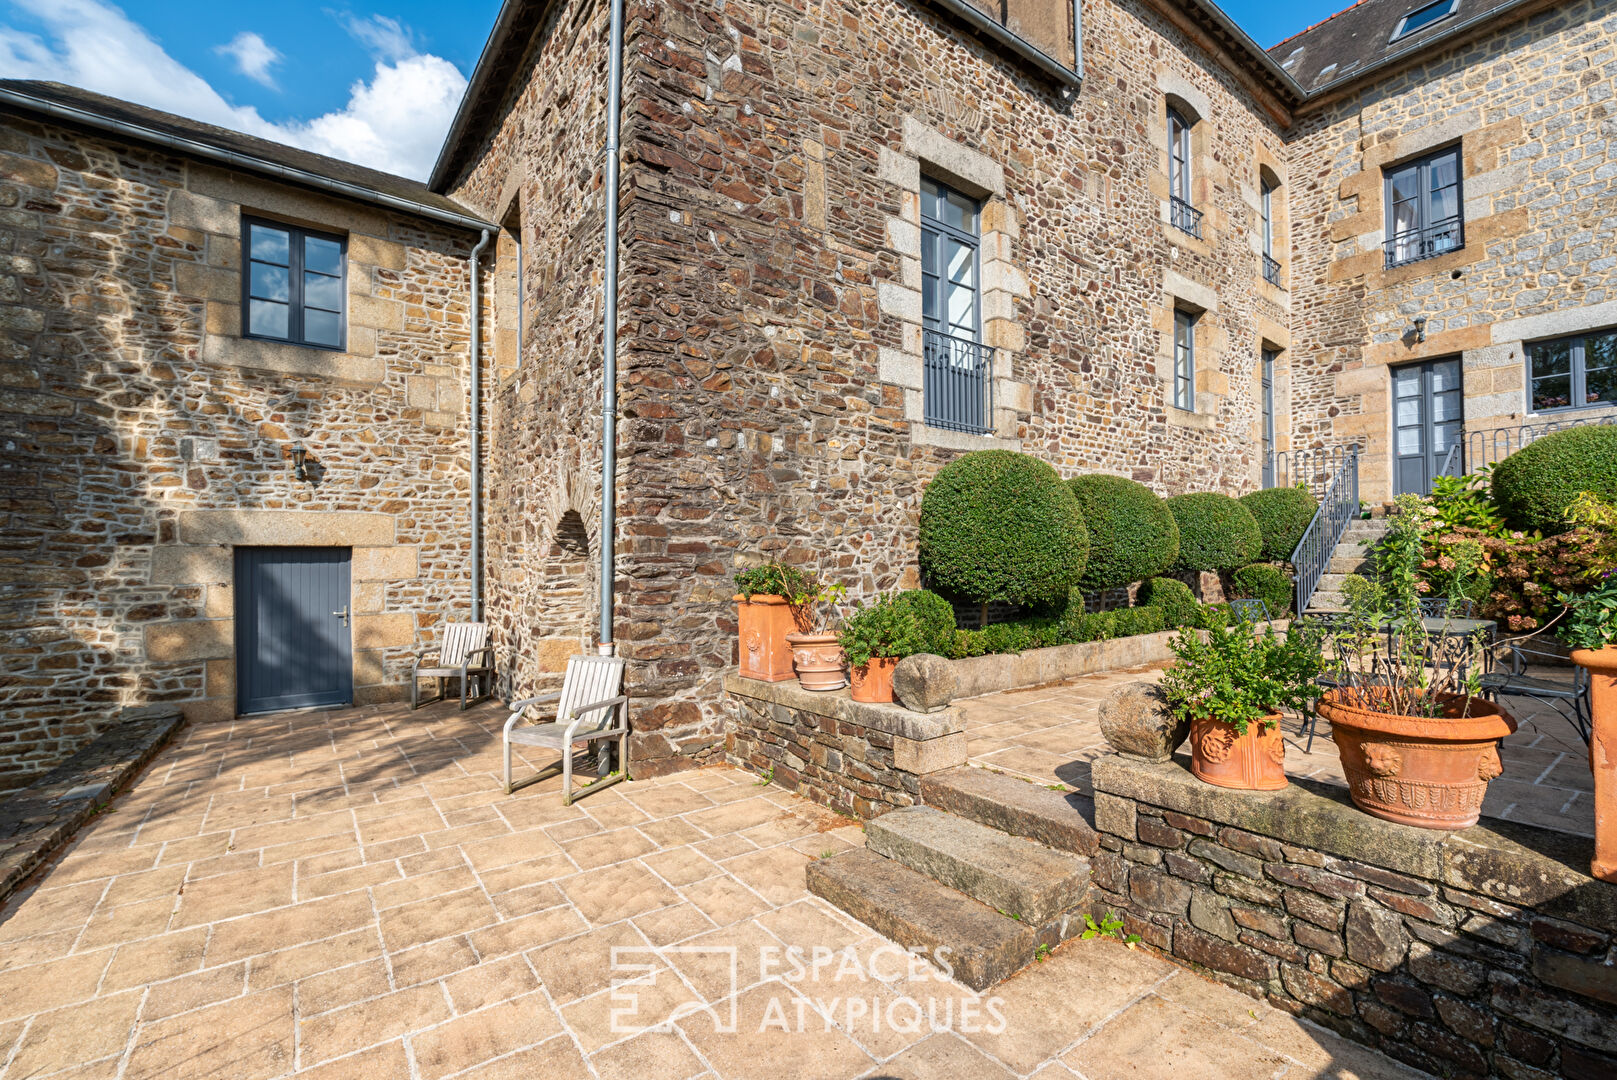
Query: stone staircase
991, 868
1352, 556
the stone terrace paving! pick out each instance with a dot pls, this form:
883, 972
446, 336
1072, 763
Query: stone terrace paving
348, 894
1050, 734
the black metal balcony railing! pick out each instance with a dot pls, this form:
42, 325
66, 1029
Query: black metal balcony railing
958, 383
1185, 218
1490, 447
1271, 271
1413, 245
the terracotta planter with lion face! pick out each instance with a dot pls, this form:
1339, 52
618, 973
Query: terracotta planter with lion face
1255, 761
1602, 665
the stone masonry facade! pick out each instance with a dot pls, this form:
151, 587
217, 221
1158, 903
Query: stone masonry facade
145, 438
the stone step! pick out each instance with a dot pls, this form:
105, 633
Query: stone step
1060, 820
1349, 564
1018, 877
1331, 583
984, 947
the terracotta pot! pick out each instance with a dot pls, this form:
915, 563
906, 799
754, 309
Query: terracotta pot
1431, 774
1255, 761
1602, 665
765, 621
874, 681
819, 661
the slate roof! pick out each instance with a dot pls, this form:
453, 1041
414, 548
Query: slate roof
1360, 37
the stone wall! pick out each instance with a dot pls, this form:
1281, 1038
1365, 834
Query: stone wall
1531, 107
1486, 952
856, 758
144, 438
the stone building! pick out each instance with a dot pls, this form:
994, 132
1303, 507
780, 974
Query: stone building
856, 239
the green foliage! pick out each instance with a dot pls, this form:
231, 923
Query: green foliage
1110, 925
1173, 598
808, 595
1536, 485
1132, 536
883, 628
934, 616
1261, 581
1046, 631
1592, 617
1215, 532
1238, 675
998, 526
1282, 515
1466, 502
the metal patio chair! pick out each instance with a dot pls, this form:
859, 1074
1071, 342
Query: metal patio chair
1250, 611
1571, 701
590, 706
463, 653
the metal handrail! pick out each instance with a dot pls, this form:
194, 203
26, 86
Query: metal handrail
1185, 218
957, 383
1311, 468
1338, 507
1413, 245
1491, 446
1271, 270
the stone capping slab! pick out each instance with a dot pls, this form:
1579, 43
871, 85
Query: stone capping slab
1514, 863
38, 820
891, 719
286, 528
991, 674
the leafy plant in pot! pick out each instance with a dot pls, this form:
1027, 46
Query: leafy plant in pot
769, 606
1591, 630
874, 639
1231, 683
815, 652
1418, 742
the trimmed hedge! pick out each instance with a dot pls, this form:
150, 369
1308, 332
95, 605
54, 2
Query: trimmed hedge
1132, 536
1047, 631
1173, 598
1215, 532
1282, 515
1001, 527
1260, 581
1535, 485
935, 617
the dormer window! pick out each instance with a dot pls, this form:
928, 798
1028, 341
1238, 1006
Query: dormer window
1424, 16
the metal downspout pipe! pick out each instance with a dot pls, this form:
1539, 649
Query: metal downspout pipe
477, 434
609, 375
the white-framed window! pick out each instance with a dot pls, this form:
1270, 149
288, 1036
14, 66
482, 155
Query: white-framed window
1576, 372
1184, 359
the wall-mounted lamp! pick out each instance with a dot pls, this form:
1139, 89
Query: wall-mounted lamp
1420, 329
299, 458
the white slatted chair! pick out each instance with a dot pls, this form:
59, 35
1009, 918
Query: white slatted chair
463, 653
591, 705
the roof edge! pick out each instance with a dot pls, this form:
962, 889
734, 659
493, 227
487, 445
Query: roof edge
440, 177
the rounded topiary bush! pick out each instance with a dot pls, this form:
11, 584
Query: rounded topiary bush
1282, 515
1173, 598
1001, 527
935, 617
1215, 532
1261, 581
1535, 485
1132, 536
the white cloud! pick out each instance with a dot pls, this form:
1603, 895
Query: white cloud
394, 121
254, 57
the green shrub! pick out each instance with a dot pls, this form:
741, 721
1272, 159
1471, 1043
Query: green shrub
1282, 515
1045, 631
882, 628
1138, 620
1261, 581
934, 616
1215, 532
998, 526
1132, 536
1173, 598
1536, 485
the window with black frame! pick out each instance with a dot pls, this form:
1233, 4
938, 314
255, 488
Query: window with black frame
1424, 217
1573, 372
957, 387
1184, 359
295, 286
1267, 391
1182, 213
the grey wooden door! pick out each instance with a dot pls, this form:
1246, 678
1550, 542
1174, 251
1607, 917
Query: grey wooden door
293, 644
1428, 418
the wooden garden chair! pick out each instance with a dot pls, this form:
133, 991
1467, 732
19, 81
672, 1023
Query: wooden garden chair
590, 706
463, 653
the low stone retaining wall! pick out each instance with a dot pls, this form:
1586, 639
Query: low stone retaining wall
855, 758
1014, 671
1485, 952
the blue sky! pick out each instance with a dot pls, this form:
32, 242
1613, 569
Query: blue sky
374, 84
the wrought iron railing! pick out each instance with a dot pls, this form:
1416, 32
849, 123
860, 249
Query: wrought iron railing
1494, 445
1185, 218
1413, 245
958, 387
1338, 507
1271, 270
1313, 469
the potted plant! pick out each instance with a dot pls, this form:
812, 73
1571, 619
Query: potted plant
874, 639
1231, 684
1418, 742
1591, 630
765, 614
815, 652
